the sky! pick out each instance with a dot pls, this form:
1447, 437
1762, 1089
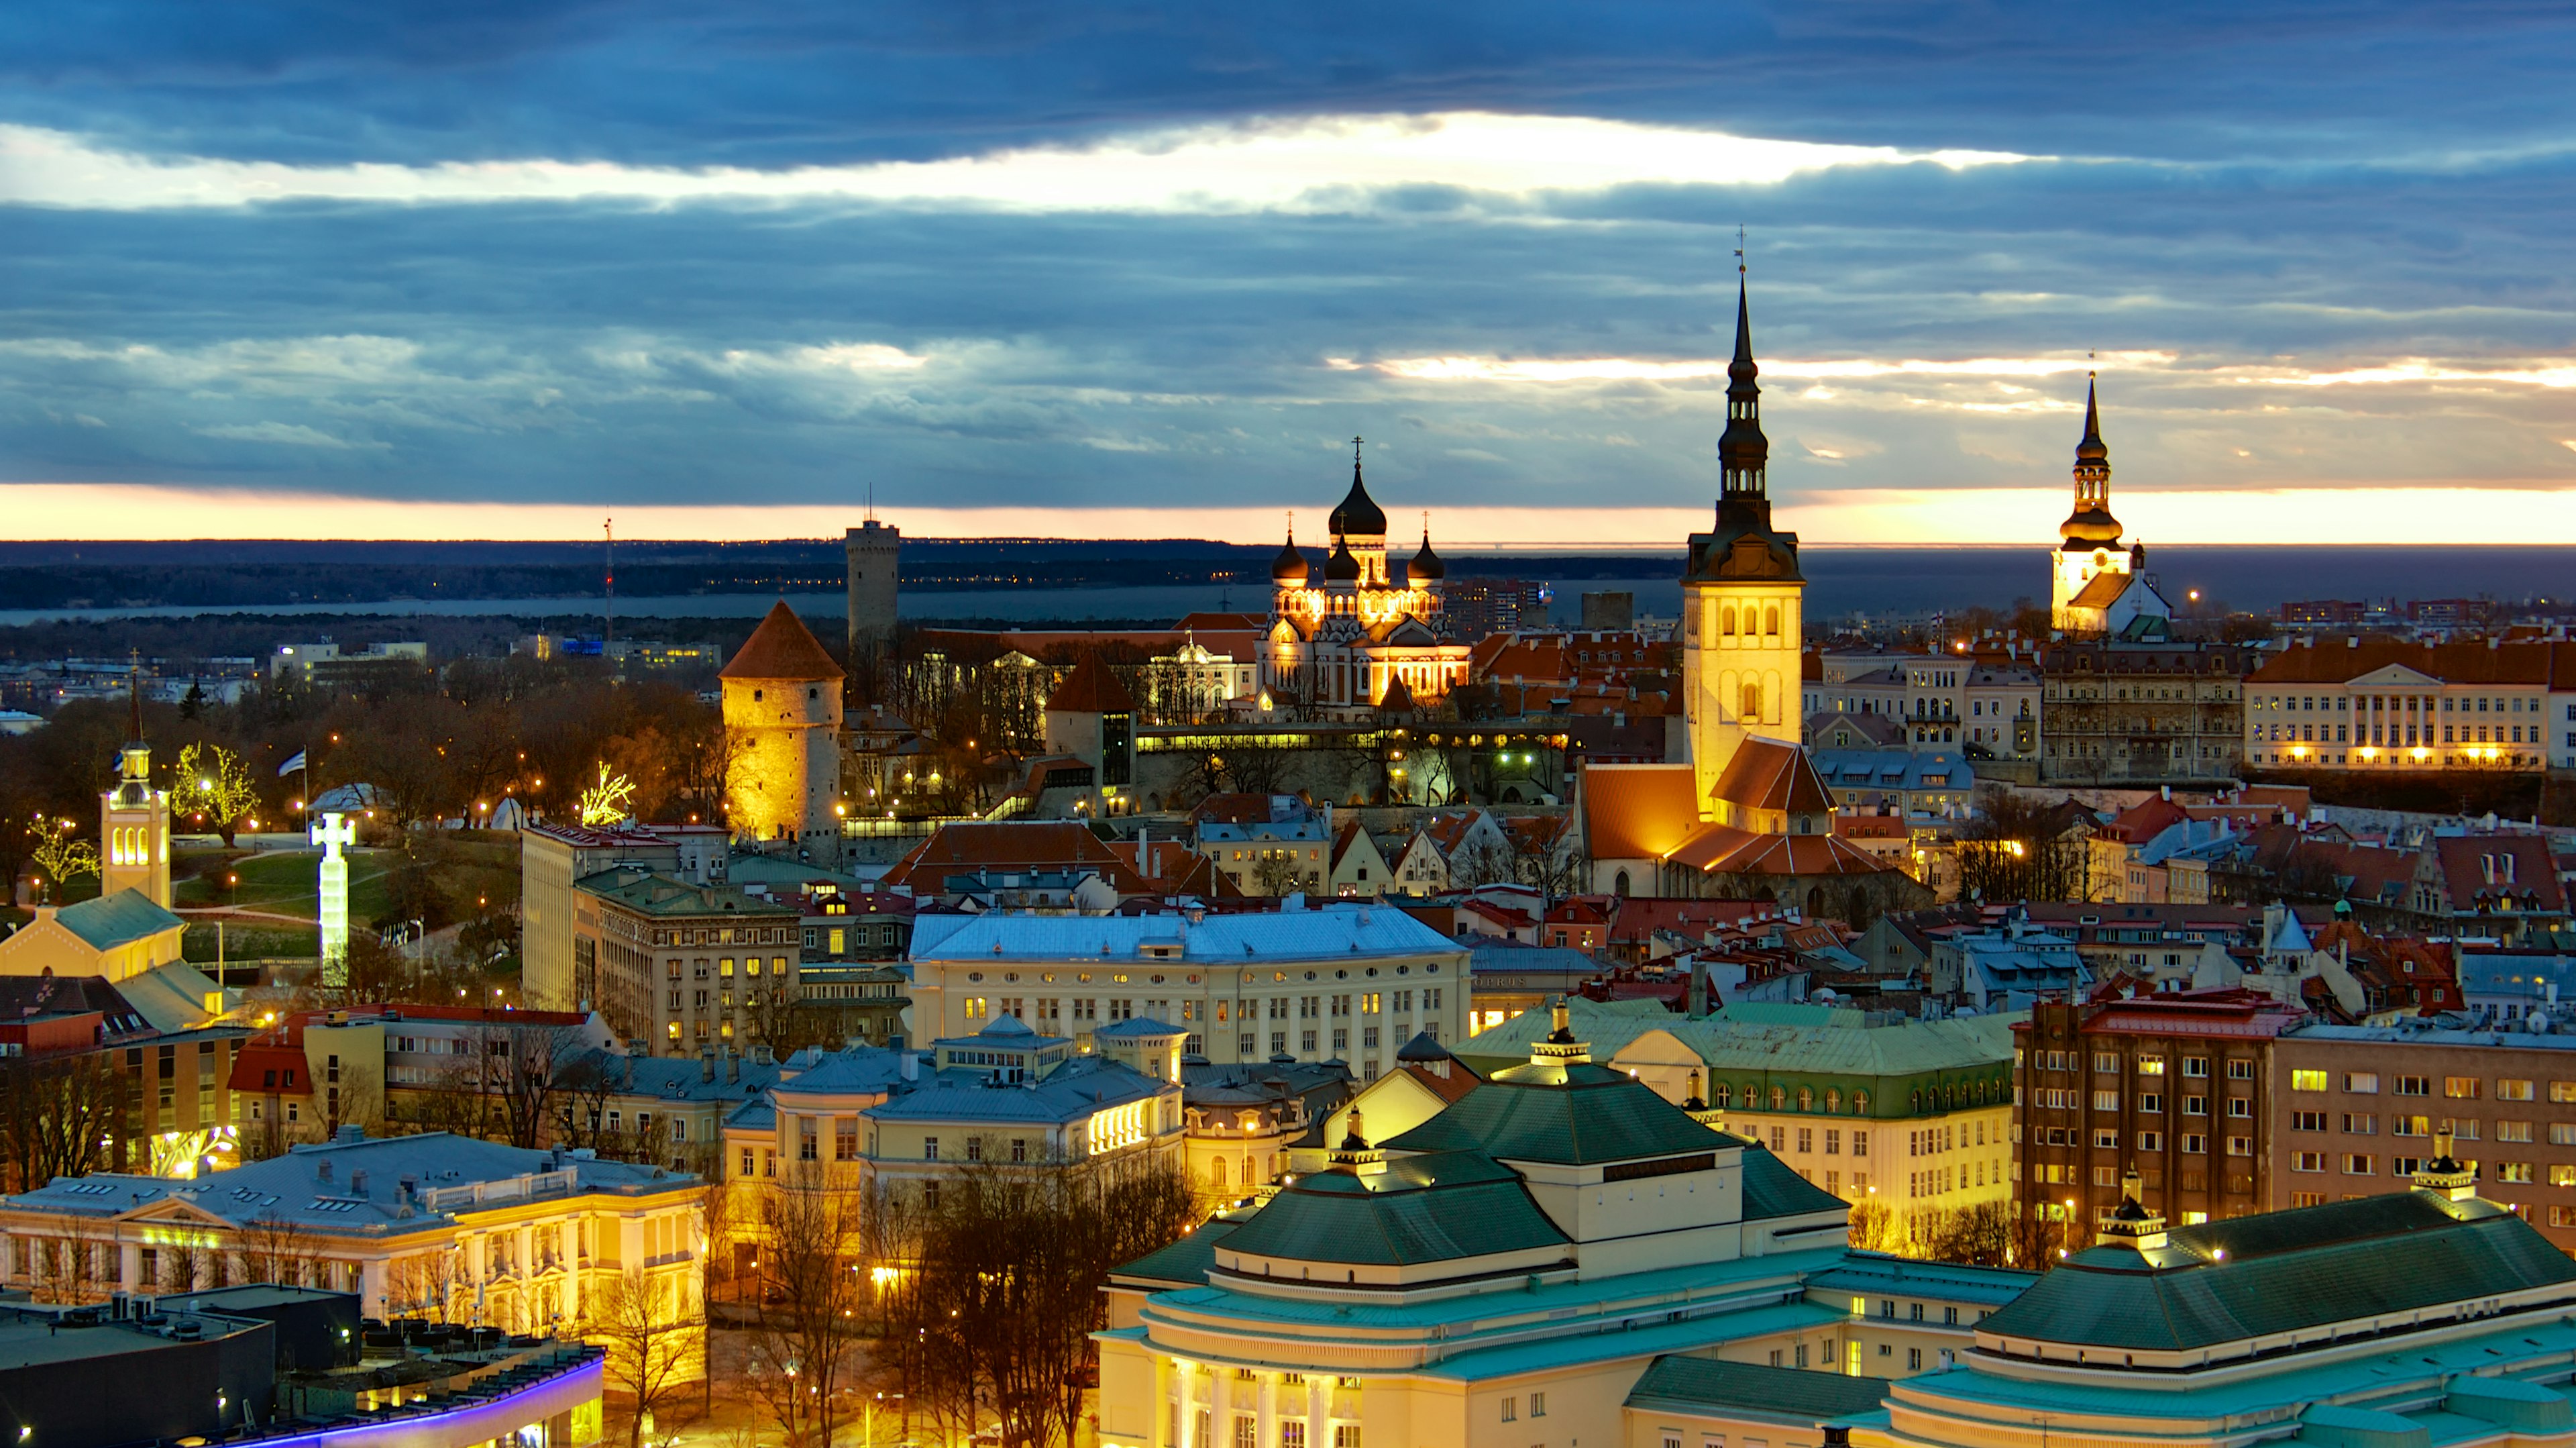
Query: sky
470, 269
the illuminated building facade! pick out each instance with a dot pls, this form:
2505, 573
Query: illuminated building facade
2097, 585
2379, 703
1346, 631
134, 826
782, 717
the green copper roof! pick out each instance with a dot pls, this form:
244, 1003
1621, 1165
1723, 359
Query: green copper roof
1772, 1189
1573, 1115
1756, 1038
2223, 1282
1185, 1262
1432, 1208
119, 919
1696, 1383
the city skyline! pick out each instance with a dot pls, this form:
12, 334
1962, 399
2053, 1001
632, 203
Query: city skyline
439, 276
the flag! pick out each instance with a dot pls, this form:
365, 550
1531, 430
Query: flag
292, 765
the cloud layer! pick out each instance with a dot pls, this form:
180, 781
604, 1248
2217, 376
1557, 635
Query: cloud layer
602, 256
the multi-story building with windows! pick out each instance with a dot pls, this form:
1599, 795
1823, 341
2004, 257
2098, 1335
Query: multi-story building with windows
1866, 1104
2380, 703
1558, 1254
2141, 713
431, 1225
2359, 1106
682, 965
2175, 1085
1347, 981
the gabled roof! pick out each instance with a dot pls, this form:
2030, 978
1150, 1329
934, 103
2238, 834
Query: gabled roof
1636, 811
2488, 867
110, 922
1020, 845
1767, 774
2103, 591
1090, 689
782, 648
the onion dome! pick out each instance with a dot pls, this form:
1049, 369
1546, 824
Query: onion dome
1341, 566
1425, 565
1291, 566
1358, 514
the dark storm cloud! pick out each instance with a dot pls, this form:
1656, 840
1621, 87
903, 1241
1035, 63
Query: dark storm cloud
2253, 197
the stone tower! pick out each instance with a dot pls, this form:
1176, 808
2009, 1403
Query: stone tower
782, 715
1743, 598
875, 562
134, 824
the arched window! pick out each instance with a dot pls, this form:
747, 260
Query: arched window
1725, 1097
1619, 885
1771, 621
1916, 1100
1726, 620
1833, 1101
1216, 1173
1860, 1103
1779, 1098
1806, 1099
1752, 701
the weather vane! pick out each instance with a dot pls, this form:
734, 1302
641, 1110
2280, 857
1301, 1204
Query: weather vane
1739, 248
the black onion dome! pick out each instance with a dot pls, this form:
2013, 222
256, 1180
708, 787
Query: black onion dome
1291, 565
1341, 565
1426, 564
1358, 515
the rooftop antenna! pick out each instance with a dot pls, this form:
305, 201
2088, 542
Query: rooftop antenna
872, 500
608, 577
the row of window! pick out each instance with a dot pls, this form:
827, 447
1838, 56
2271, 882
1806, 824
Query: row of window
2363, 1123
2107, 1063
2193, 1143
2151, 1103
2458, 1088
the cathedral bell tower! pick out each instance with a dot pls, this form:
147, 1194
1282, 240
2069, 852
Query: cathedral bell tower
2089, 540
1743, 613
134, 822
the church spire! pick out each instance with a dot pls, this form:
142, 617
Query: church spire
2091, 524
1743, 453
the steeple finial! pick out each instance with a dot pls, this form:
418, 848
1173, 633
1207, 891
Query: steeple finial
134, 693
1743, 453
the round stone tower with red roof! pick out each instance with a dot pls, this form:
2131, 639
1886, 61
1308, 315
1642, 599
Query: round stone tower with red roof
782, 715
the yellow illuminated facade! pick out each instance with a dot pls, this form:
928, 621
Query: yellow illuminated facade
1346, 633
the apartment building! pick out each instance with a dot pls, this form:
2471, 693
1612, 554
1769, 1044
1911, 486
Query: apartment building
1989, 706
2141, 713
2175, 1084
2360, 1107
1347, 981
682, 965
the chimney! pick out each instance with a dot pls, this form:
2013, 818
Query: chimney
707, 1063
733, 1067
358, 1182
911, 1066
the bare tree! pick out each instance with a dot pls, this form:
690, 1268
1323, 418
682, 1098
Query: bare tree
275, 1249
2016, 850
655, 1341
58, 1117
424, 1285
1000, 1306
813, 1293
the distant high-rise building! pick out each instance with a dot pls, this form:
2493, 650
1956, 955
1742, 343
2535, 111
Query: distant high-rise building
875, 562
1479, 608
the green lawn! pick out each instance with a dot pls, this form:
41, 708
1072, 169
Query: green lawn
285, 883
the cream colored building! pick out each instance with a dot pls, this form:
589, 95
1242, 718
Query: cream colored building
1916, 1115
1348, 981
435, 1226
1508, 1273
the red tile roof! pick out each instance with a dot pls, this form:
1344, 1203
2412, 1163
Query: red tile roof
1090, 689
782, 648
1636, 811
2476, 867
2339, 660
1024, 845
1766, 774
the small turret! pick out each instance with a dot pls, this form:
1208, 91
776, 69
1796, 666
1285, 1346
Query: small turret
2131, 1222
2444, 1175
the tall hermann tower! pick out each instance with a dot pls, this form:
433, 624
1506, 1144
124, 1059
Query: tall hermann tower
875, 554
1743, 614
